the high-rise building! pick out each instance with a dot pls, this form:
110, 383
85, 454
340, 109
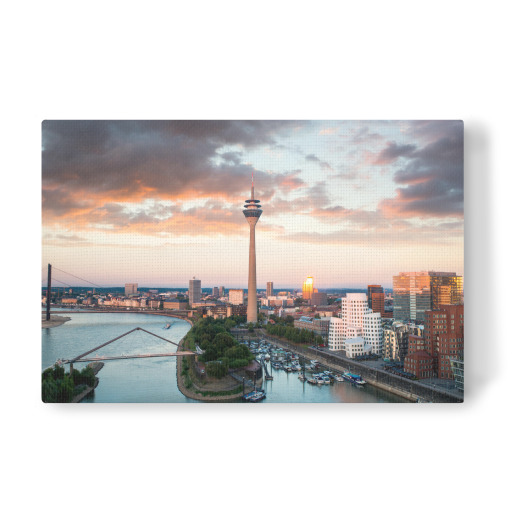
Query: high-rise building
215, 292
417, 292
252, 214
194, 290
372, 331
336, 341
376, 298
236, 297
444, 337
357, 321
221, 291
270, 289
307, 288
319, 299
130, 289
443, 341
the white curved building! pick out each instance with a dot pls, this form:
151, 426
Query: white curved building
356, 321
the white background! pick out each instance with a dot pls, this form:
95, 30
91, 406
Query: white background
263, 60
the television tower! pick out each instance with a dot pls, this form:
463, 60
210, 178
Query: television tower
252, 213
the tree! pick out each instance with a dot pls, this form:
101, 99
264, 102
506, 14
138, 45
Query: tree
217, 369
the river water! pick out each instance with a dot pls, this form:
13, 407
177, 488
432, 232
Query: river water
154, 379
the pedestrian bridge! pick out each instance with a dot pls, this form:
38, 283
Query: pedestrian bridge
86, 356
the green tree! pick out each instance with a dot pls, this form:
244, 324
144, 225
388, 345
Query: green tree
217, 369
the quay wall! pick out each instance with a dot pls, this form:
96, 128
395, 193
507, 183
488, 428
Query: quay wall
189, 393
409, 389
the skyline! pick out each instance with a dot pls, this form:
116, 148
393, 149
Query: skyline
349, 202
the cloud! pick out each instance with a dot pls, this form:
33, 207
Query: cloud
392, 152
431, 178
395, 233
92, 163
323, 164
364, 136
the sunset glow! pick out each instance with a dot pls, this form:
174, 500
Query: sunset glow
157, 202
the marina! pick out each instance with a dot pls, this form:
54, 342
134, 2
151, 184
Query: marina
153, 379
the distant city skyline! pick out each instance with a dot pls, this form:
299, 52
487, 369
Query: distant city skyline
349, 202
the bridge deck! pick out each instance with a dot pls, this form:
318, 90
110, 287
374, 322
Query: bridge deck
133, 356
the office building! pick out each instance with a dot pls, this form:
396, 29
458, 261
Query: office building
236, 297
215, 292
307, 288
317, 325
414, 293
194, 291
356, 347
376, 298
357, 321
319, 299
130, 289
372, 331
336, 341
396, 341
252, 214
444, 337
443, 341
221, 291
270, 289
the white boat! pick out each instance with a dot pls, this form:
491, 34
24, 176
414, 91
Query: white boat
338, 378
311, 380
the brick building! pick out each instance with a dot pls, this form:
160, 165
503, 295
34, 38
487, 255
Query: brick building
443, 341
444, 337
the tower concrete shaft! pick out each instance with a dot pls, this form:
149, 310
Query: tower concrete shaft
252, 213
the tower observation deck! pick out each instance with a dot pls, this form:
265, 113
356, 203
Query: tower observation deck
252, 211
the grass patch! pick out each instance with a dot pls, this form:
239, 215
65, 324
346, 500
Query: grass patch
222, 393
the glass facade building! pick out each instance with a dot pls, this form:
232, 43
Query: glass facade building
417, 292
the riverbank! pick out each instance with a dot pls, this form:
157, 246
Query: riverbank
96, 367
54, 321
337, 367
413, 391
230, 392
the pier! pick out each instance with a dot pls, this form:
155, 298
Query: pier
268, 376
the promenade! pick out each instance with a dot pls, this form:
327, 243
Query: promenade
409, 389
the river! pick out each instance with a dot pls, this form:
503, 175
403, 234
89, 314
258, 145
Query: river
154, 379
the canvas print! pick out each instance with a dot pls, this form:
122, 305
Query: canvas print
252, 261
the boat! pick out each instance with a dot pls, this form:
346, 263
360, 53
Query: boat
301, 377
326, 379
167, 326
311, 380
354, 378
254, 396
338, 378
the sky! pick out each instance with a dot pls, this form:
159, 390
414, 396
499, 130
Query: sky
157, 203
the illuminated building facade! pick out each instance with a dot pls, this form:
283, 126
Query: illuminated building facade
376, 298
307, 288
414, 293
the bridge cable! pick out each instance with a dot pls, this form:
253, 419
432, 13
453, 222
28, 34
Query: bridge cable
81, 278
